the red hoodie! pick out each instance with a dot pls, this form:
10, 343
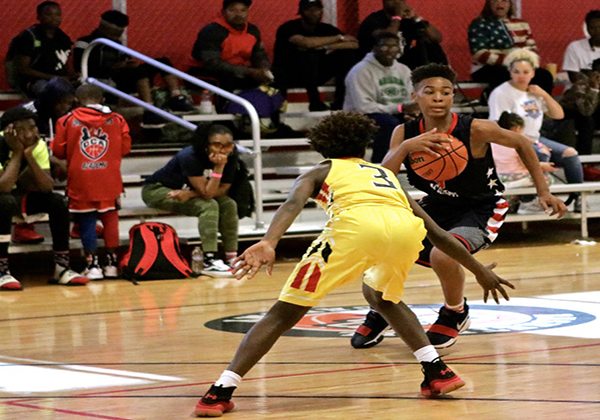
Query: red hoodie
93, 139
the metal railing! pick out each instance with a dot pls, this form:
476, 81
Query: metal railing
255, 122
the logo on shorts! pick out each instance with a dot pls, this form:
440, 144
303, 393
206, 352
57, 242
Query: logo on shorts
93, 143
521, 315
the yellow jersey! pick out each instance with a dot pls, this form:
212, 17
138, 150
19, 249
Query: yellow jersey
354, 182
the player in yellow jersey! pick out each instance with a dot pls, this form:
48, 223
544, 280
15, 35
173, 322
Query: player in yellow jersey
375, 229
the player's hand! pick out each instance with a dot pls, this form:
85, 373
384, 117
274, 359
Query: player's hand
428, 142
491, 283
549, 201
252, 259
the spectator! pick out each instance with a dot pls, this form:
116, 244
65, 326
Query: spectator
40, 52
309, 52
421, 39
93, 139
230, 50
195, 182
580, 54
531, 102
26, 188
380, 87
122, 71
492, 35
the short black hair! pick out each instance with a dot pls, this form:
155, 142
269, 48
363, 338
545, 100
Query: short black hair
592, 14
116, 18
381, 36
40, 7
15, 114
88, 92
342, 134
433, 70
227, 3
509, 120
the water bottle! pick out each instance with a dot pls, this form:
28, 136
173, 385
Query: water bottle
197, 260
206, 105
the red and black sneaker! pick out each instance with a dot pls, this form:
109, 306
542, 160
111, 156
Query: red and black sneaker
444, 331
439, 379
215, 402
370, 332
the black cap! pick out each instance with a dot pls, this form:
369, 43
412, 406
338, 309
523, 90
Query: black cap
227, 3
15, 114
307, 3
116, 18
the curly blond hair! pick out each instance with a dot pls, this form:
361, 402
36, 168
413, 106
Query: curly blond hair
522, 54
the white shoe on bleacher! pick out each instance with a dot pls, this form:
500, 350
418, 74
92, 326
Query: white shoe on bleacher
530, 207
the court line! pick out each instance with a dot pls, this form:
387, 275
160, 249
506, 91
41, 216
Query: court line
60, 410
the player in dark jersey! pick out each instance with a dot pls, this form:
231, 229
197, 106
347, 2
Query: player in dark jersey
469, 206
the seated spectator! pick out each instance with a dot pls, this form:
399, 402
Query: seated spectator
493, 35
119, 70
531, 102
195, 182
421, 39
93, 139
380, 87
511, 169
26, 189
230, 50
40, 52
580, 54
309, 52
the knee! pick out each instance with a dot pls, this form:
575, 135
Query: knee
569, 152
203, 207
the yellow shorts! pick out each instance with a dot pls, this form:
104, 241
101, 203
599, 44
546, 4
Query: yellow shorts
382, 242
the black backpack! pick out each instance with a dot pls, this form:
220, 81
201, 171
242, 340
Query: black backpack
154, 254
241, 191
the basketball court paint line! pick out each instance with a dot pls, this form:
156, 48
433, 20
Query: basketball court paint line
70, 412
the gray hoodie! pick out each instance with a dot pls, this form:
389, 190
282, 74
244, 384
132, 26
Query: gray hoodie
373, 88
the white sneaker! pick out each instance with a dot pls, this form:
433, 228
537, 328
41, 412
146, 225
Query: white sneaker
110, 271
68, 277
8, 282
93, 272
216, 268
530, 207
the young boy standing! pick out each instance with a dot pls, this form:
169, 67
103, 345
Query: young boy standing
93, 139
372, 230
470, 207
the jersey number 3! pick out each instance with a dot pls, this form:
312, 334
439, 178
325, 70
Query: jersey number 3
382, 175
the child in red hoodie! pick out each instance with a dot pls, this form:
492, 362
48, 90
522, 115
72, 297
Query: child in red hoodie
93, 139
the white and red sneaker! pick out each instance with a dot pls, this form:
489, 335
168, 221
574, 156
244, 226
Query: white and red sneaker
8, 282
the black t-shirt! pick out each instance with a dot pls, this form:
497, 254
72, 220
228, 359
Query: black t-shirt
186, 164
286, 53
102, 58
48, 55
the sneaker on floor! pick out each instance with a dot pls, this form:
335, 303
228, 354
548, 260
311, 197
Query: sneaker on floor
181, 104
439, 379
8, 282
215, 402
67, 277
110, 271
370, 332
444, 331
93, 270
216, 268
530, 207
24, 233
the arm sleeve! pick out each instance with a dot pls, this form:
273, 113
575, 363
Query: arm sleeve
570, 62
125, 138
59, 144
498, 103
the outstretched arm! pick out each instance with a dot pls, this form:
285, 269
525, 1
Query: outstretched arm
487, 279
263, 252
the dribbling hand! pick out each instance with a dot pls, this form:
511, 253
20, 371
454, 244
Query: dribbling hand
491, 283
252, 259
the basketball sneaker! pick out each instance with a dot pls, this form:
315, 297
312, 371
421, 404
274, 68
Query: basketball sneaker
214, 267
66, 276
93, 270
8, 282
439, 379
24, 233
370, 333
111, 270
215, 402
444, 331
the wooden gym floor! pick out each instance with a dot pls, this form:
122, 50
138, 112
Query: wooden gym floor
112, 350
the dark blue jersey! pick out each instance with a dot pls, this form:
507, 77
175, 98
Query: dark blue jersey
476, 185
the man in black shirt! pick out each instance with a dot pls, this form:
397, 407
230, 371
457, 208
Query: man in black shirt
309, 52
40, 52
422, 40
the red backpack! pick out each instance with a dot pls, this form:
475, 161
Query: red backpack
154, 254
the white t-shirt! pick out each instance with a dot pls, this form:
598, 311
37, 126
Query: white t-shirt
580, 55
530, 107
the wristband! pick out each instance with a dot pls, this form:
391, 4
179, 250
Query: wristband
399, 108
216, 175
398, 18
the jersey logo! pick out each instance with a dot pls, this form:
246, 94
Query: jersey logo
93, 143
531, 109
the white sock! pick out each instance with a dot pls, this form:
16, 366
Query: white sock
426, 354
229, 378
458, 308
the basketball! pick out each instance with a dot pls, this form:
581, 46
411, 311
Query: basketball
449, 165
